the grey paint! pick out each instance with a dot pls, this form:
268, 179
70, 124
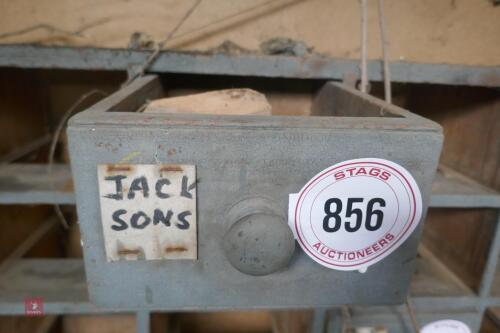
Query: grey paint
32, 184
397, 320
491, 264
257, 239
259, 244
447, 192
74, 300
143, 321
61, 282
311, 67
452, 189
238, 157
465, 201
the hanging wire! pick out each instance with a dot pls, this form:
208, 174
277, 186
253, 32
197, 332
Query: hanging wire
93, 92
364, 37
55, 140
388, 98
385, 51
387, 90
85, 96
159, 46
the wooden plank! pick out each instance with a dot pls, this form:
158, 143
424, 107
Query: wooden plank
225, 322
115, 61
470, 121
227, 101
452, 189
24, 324
62, 284
495, 288
28, 243
123, 323
31, 183
54, 280
460, 237
433, 278
495, 314
23, 150
458, 32
24, 112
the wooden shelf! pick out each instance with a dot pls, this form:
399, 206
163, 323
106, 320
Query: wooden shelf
312, 67
494, 315
495, 287
59, 282
433, 279
62, 285
32, 184
452, 189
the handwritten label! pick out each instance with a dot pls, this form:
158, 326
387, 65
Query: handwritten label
148, 211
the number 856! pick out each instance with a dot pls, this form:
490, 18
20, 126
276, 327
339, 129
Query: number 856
372, 221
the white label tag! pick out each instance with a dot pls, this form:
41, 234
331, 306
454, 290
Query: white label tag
446, 326
148, 211
355, 213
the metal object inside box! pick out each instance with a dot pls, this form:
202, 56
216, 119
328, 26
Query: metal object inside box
233, 176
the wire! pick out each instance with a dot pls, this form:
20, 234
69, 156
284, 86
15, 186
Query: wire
385, 51
270, 7
55, 139
41, 26
71, 110
154, 55
364, 37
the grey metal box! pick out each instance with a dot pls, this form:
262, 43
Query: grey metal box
237, 157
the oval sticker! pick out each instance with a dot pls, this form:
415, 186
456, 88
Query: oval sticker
446, 326
355, 213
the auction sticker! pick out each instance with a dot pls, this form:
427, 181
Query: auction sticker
355, 213
446, 326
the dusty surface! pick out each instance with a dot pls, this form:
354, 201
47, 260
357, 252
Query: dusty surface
446, 31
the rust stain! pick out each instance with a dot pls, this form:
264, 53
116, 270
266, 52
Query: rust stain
171, 249
171, 168
171, 152
119, 168
124, 252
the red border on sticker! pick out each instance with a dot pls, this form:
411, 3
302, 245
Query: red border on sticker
310, 213
314, 181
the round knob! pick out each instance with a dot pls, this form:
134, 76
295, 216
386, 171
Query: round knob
259, 243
